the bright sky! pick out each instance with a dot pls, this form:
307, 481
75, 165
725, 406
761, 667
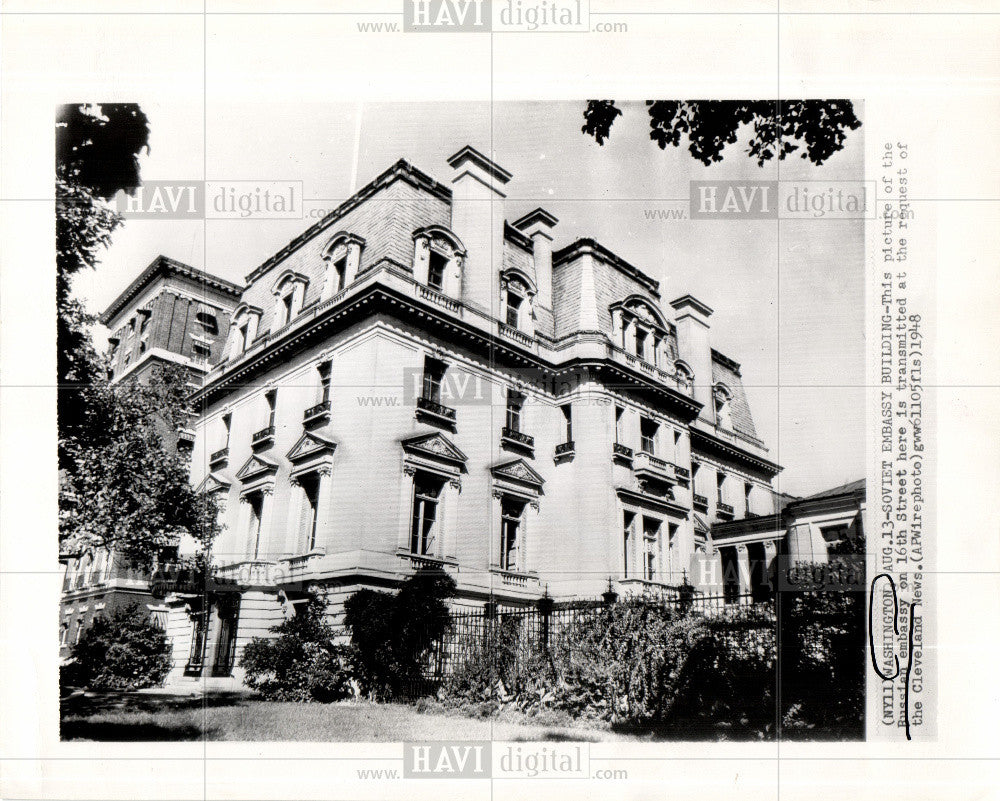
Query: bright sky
788, 295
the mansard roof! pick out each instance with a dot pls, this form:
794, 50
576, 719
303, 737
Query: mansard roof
591, 247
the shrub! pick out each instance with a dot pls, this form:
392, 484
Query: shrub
123, 650
302, 663
635, 662
823, 653
392, 634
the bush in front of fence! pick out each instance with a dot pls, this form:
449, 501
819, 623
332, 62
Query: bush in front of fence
393, 633
301, 663
634, 661
123, 650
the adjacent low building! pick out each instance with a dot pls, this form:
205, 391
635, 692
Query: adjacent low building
753, 550
418, 380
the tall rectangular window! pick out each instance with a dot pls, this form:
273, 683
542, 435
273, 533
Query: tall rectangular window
567, 411
511, 512
720, 486
677, 446
747, 494
651, 541
647, 435
513, 309
433, 376
619, 424
286, 308
256, 502
668, 556
423, 525
227, 425
436, 264
640, 343
325, 376
515, 403
244, 337
309, 521
628, 544
340, 268
272, 405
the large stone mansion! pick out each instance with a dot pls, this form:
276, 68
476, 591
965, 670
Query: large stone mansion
417, 380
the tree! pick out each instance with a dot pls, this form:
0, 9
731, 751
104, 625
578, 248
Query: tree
128, 485
97, 150
124, 650
393, 633
779, 127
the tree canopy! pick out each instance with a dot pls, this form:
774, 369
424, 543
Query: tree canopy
816, 128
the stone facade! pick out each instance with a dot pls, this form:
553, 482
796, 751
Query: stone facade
417, 380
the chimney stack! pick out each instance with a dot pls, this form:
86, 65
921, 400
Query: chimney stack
694, 347
477, 216
538, 225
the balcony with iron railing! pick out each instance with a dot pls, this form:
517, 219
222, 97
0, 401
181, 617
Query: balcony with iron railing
724, 508
682, 473
263, 437
623, 452
320, 413
434, 412
219, 458
517, 439
700, 502
565, 449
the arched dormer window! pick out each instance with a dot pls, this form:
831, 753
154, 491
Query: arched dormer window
243, 329
684, 374
722, 397
289, 295
517, 301
343, 262
640, 329
438, 259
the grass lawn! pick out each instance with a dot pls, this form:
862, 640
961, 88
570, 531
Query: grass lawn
233, 716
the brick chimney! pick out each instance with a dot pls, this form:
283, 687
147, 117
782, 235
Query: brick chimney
695, 348
477, 218
538, 225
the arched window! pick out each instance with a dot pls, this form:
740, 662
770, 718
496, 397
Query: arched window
684, 374
723, 411
517, 300
438, 259
343, 262
243, 329
289, 296
639, 329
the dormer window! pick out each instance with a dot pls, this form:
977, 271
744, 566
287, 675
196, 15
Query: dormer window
244, 334
343, 257
516, 301
438, 258
289, 293
723, 410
